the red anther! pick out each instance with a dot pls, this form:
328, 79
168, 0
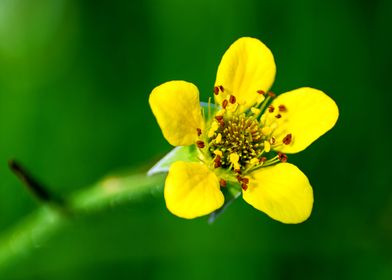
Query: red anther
222, 183
200, 144
239, 179
244, 187
278, 116
263, 159
245, 180
232, 99
262, 92
216, 90
272, 140
282, 157
219, 118
287, 139
271, 94
198, 131
221, 88
225, 103
238, 171
217, 162
271, 109
282, 108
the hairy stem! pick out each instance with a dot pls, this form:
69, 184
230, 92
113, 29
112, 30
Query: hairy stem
35, 229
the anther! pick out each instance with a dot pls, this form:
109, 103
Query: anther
271, 109
263, 159
245, 180
219, 118
287, 139
216, 90
198, 131
217, 162
232, 99
282, 108
272, 140
244, 186
225, 103
200, 144
278, 116
282, 157
271, 94
221, 88
262, 92
222, 183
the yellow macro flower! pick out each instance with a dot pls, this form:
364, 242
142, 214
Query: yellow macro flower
243, 139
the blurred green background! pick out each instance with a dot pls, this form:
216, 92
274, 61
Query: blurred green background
74, 83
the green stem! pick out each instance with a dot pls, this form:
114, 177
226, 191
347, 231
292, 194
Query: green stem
48, 219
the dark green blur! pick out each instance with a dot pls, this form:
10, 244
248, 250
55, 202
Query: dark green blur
74, 83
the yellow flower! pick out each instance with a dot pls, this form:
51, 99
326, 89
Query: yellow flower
243, 139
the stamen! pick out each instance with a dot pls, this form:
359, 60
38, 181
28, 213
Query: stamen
216, 90
262, 92
217, 162
263, 159
267, 146
244, 186
218, 138
198, 131
271, 94
221, 88
287, 139
271, 109
278, 116
245, 180
200, 144
225, 103
219, 118
255, 111
282, 108
232, 99
222, 183
282, 157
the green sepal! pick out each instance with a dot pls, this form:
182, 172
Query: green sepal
181, 153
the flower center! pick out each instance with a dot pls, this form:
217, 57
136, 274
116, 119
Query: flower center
241, 140
237, 141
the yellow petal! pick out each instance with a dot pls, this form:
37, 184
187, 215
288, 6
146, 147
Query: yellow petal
192, 190
177, 109
281, 191
308, 114
246, 67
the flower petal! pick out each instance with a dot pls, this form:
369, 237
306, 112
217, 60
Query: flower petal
246, 67
308, 113
281, 191
192, 190
177, 109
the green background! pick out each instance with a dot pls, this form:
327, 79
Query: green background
75, 77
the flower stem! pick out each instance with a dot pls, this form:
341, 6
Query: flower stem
35, 229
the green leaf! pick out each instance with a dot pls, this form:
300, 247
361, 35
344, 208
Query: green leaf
181, 153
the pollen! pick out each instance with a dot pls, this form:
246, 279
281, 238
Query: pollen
267, 146
218, 138
255, 111
242, 141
